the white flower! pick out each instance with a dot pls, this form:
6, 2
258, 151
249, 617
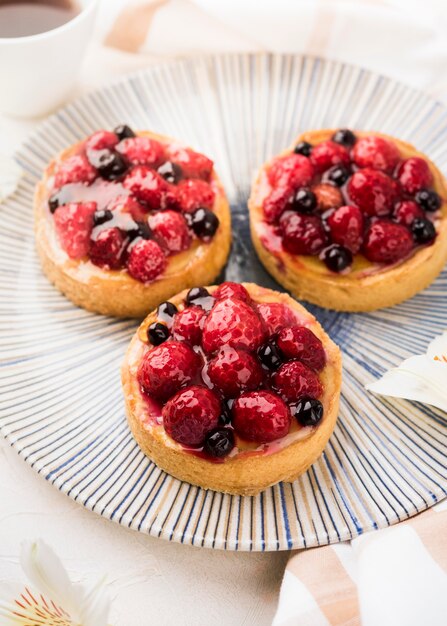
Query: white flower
51, 599
10, 174
422, 378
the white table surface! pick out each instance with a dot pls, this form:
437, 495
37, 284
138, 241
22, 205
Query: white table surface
151, 581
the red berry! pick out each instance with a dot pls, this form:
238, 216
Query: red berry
298, 342
147, 186
276, 203
101, 140
188, 325
190, 195
171, 230
328, 153
302, 234
232, 322
193, 164
107, 248
372, 191
294, 380
377, 153
386, 242
190, 414
74, 223
141, 151
128, 204
414, 174
261, 416
291, 171
406, 212
166, 368
346, 227
327, 196
146, 260
232, 290
275, 316
75, 169
233, 371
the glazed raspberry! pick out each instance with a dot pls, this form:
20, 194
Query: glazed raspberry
146, 260
328, 153
275, 316
171, 230
75, 169
130, 206
191, 414
294, 380
141, 151
386, 242
101, 140
276, 203
406, 212
166, 368
234, 371
372, 191
188, 325
107, 248
327, 196
346, 227
147, 186
261, 416
193, 164
298, 342
74, 224
414, 174
377, 153
232, 322
190, 195
232, 290
290, 171
302, 234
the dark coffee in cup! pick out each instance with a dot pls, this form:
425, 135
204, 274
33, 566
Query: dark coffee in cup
22, 18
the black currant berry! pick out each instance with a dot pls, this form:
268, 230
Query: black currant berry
157, 333
308, 411
219, 442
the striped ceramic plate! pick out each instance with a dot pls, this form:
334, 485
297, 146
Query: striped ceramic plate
62, 408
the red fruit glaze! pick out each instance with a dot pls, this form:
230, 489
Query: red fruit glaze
107, 248
261, 416
128, 205
75, 169
414, 174
372, 191
170, 230
275, 316
166, 368
298, 342
234, 371
101, 140
406, 212
147, 186
232, 290
302, 234
327, 196
190, 195
234, 323
386, 242
146, 260
294, 380
74, 223
377, 153
328, 153
193, 164
190, 414
290, 171
141, 151
275, 203
346, 227
188, 325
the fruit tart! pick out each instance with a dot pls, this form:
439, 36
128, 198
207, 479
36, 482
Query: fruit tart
350, 221
126, 219
232, 388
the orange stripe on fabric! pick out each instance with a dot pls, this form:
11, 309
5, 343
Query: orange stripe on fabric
131, 27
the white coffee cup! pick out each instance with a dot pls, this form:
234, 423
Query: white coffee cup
38, 72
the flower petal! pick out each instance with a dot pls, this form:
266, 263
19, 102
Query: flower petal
437, 349
20, 606
93, 605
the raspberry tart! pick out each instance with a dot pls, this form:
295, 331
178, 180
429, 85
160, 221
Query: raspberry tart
232, 388
124, 220
351, 221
